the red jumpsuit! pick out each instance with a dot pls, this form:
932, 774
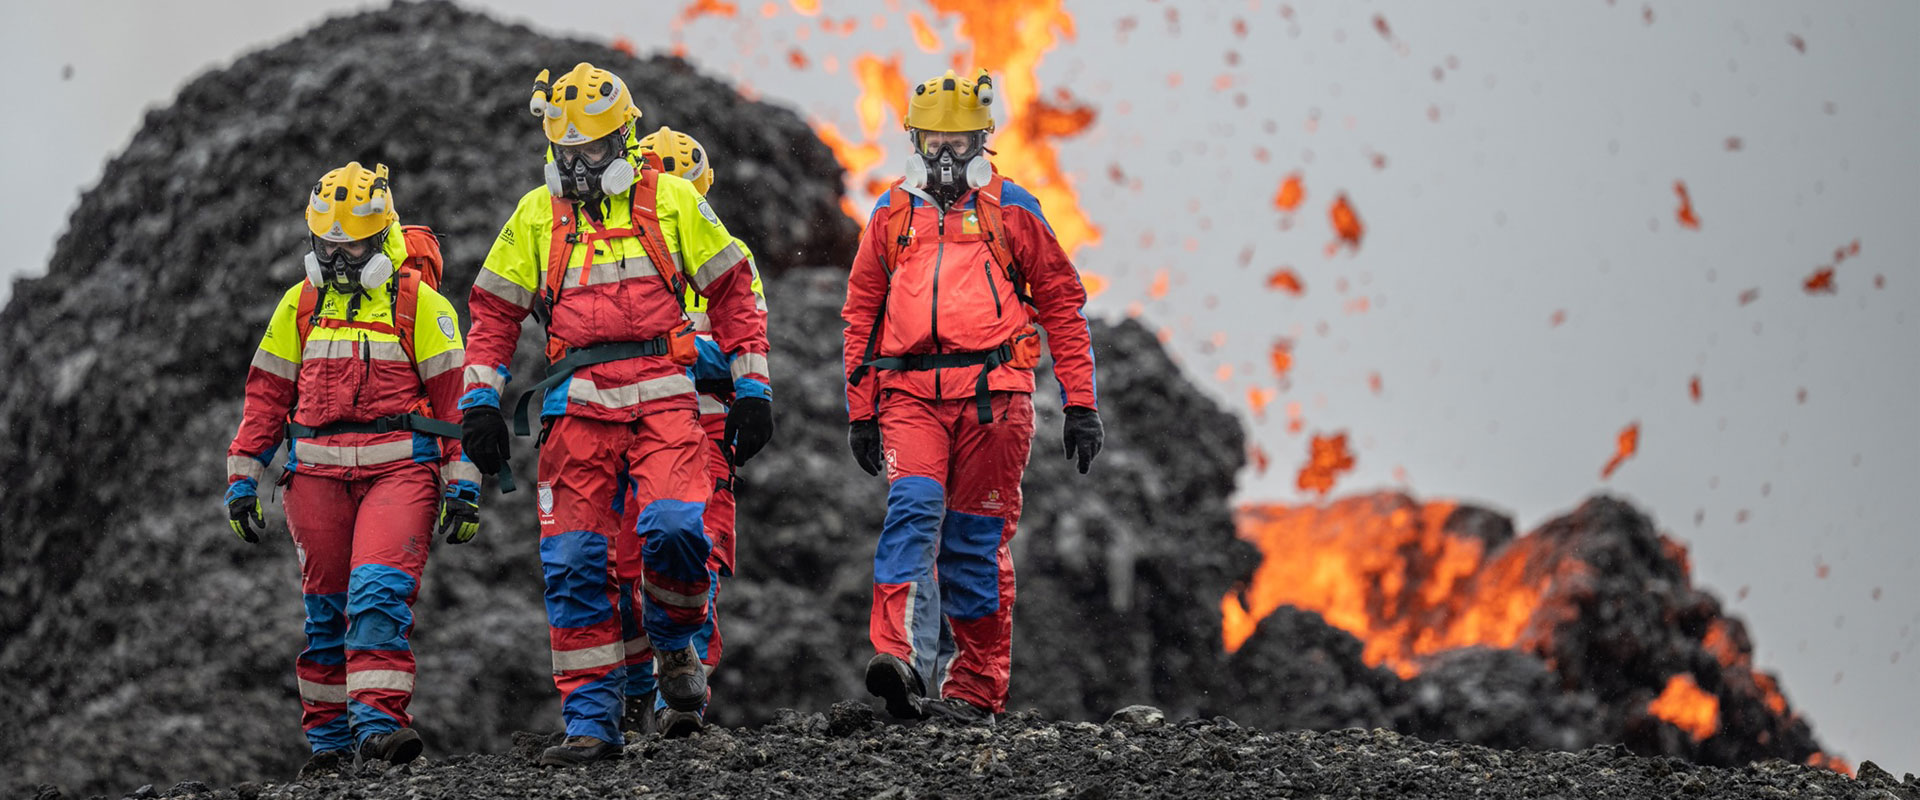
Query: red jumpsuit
361, 506
943, 575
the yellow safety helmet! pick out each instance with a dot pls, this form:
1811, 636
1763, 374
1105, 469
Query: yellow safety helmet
681, 155
351, 203
583, 105
952, 103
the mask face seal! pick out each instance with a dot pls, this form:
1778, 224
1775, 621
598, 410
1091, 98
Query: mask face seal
330, 265
947, 164
590, 171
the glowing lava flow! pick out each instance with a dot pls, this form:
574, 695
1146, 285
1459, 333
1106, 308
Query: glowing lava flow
1689, 708
1394, 576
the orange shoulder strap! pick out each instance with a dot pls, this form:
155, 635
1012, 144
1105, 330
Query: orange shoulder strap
986, 201
303, 313
899, 224
566, 232
406, 305
646, 225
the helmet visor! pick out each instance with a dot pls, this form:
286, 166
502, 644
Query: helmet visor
963, 144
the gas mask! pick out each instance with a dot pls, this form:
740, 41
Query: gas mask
330, 265
946, 164
590, 171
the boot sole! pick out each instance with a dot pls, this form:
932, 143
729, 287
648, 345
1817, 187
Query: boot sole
681, 725
568, 758
885, 681
687, 702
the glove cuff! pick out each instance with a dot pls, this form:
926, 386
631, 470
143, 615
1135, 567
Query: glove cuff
242, 488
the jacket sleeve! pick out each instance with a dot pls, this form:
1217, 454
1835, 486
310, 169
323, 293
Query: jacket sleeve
866, 296
719, 268
501, 298
436, 343
271, 390
1059, 298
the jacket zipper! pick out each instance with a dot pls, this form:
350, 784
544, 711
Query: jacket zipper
939, 253
366, 369
986, 267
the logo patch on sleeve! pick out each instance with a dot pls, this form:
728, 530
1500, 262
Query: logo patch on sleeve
707, 211
447, 327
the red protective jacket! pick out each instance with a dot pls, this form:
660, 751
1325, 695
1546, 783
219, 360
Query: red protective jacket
947, 296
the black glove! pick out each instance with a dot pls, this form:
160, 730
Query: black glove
1083, 435
749, 428
863, 435
243, 513
484, 438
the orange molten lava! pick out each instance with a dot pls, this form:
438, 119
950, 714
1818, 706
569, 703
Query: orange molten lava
923, 35
704, 8
1327, 457
1689, 708
1346, 223
882, 87
1388, 571
1282, 357
1290, 194
1624, 446
1286, 280
1820, 282
1834, 763
1685, 213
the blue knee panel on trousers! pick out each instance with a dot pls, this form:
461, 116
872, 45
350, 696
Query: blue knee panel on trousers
594, 708
970, 565
368, 720
377, 605
575, 565
905, 553
326, 628
677, 543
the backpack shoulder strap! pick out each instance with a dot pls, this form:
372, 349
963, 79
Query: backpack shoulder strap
899, 225
305, 312
986, 203
646, 225
566, 233
406, 305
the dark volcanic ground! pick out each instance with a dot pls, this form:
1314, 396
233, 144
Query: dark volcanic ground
847, 754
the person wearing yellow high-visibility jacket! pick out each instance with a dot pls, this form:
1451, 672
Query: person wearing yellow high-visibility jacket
601, 254
684, 156
360, 370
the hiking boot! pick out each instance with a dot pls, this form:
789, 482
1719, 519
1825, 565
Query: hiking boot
578, 750
325, 762
957, 711
393, 747
675, 724
637, 714
891, 679
683, 679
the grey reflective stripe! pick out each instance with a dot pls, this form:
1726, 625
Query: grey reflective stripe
318, 348
459, 471
700, 321
323, 692
710, 405
499, 286
352, 456
717, 266
747, 364
601, 274
640, 646
590, 657
246, 467
275, 365
581, 390
674, 598
485, 376
433, 367
389, 679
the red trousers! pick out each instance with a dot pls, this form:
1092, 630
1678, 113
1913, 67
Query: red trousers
943, 575
584, 466
362, 547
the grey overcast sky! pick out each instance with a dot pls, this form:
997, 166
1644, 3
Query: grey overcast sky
1528, 292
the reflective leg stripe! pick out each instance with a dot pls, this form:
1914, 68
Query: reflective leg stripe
388, 679
674, 598
589, 657
906, 618
323, 692
638, 649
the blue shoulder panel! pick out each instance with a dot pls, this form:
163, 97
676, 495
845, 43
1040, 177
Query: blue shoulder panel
1015, 195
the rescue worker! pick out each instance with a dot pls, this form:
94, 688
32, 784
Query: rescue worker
956, 273
358, 362
602, 253
682, 155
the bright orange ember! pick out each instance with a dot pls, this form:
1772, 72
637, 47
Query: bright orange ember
1693, 388
1346, 223
1327, 457
807, 7
1282, 355
1161, 280
1286, 280
1257, 399
1685, 213
1624, 446
705, 8
1688, 707
1292, 191
1820, 282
